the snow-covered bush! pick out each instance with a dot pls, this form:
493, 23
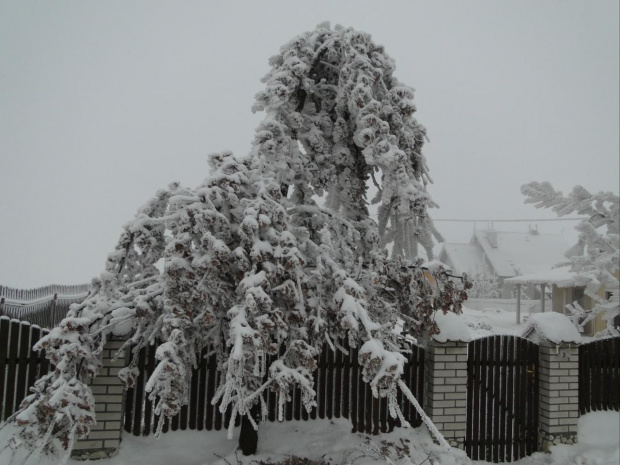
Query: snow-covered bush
484, 286
254, 267
595, 256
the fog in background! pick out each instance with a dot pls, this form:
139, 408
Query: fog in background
102, 103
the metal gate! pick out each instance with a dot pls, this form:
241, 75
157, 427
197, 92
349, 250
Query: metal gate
502, 399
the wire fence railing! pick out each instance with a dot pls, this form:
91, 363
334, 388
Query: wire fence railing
45, 306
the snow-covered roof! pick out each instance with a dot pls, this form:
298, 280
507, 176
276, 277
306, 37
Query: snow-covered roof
553, 327
433, 265
518, 253
561, 277
466, 258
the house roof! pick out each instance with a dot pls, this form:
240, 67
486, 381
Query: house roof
561, 277
465, 258
520, 253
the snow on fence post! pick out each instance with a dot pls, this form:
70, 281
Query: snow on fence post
445, 385
105, 437
558, 377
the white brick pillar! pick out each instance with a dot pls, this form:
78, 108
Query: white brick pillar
559, 394
104, 438
445, 389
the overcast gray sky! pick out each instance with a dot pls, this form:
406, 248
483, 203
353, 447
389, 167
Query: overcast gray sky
102, 103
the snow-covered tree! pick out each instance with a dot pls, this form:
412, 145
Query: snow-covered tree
484, 286
256, 266
595, 256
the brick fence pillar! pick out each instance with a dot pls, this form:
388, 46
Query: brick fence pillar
105, 437
559, 394
445, 389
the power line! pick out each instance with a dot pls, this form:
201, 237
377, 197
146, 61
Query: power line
533, 220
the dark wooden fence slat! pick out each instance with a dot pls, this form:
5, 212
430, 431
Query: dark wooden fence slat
193, 396
616, 372
33, 358
361, 401
346, 385
596, 401
496, 398
322, 383
598, 368
523, 400
149, 421
517, 399
419, 373
211, 375
329, 384
217, 415
510, 357
536, 397
384, 415
470, 401
532, 404
297, 406
22, 367
606, 374
369, 398
139, 396
489, 402
12, 368
610, 375
288, 408
202, 390
582, 381
354, 391
338, 363
478, 403
405, 405
527, 404
5, 324
376, 412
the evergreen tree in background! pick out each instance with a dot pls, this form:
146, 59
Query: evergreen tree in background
484, 286
595, 256
257, 265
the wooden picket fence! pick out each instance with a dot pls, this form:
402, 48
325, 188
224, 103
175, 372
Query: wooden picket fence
20, 366
45, 306
340, 389
599, 375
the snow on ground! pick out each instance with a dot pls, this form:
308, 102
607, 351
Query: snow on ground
598, 444
332, 440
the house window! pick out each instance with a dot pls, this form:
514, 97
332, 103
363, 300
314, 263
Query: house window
578, 295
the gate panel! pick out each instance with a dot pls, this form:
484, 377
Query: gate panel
502, 399
599, 375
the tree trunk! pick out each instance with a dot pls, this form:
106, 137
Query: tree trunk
248, 437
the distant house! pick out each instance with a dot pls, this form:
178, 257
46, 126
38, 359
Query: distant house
506, 255
567, 287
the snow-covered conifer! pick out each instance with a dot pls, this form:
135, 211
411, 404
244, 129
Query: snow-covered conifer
484, 286
595, 256
256, 267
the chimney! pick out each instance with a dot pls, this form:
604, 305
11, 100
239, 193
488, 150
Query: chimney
492, 238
